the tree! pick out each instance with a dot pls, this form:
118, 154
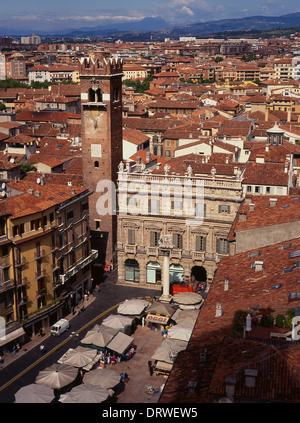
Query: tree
219, 59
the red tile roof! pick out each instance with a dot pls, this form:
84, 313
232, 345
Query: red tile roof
278, 366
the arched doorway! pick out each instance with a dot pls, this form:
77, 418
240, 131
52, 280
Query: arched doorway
153, 272
176, 273
198, 274
132, 270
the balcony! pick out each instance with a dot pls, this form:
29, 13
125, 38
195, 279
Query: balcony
22, 282
152, 251
22, 301
39, 254
4, 286
42, 292
4, 262
20, 261
40, 274
176, 254
80, 265
130, 249
198, 255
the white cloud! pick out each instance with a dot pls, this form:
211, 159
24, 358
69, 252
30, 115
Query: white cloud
187, 10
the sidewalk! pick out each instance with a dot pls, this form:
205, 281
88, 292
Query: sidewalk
38, 339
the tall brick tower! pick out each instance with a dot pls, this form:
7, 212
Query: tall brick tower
101, 111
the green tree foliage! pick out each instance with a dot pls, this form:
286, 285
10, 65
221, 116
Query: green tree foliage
137, 85
239, 321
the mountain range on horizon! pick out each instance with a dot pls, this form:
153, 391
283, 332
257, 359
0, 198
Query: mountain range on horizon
160, 26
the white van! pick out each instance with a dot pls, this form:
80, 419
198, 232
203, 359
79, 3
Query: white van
60, 327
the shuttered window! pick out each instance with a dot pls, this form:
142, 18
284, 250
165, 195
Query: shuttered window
200, 243
154, 239
177, 241
131, 236
222, 246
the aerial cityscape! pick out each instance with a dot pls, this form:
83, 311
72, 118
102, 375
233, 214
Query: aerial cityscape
149, 208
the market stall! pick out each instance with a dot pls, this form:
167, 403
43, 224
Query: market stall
159, 314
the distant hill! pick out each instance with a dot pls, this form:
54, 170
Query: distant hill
238, 24
158, 28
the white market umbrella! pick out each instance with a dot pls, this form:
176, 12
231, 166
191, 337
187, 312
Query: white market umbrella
34, 393
57, 375
133, 307
79, 357
87, 393
117, 322
100, 338
164, 309
120, 343
107, 378
187, 298
186, 317
168, 350
182, 333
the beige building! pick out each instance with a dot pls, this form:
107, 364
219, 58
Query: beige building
195, 209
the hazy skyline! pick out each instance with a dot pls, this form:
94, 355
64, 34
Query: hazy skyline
35, 16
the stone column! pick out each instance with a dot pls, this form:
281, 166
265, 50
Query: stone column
165, 247
166, 275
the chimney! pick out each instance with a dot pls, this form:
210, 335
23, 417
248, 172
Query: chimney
203, 356
242, 217
250, 377
248, 200
227, 160
273, 202
230, 387
267, 115
219, 310
258, 266
251, 207
226, 284
192, 387
73, 191
267, 148
37, 194
148, 156
289, 115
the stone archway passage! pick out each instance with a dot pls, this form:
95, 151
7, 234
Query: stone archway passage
199, 274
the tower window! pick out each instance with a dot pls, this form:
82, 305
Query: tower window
96, 163
92, 95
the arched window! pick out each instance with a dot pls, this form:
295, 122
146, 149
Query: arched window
116, 95
92, 95
98, 96
96, 163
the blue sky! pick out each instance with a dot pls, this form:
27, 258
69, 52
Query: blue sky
63, 14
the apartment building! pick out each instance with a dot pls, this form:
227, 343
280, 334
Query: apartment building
45, 254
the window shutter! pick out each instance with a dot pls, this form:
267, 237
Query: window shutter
131, 236
218, 245
180, 241
204, 244
198, 243
152, 239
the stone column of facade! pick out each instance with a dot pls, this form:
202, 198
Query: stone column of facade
165, 247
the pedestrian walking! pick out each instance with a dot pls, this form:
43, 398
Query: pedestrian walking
122, 377
150, 368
